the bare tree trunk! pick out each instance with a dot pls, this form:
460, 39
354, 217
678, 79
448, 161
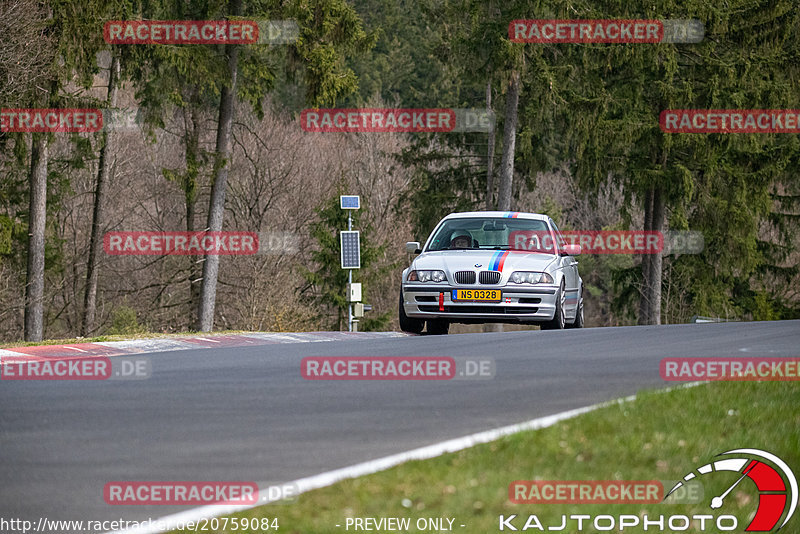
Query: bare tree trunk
490, 204
490, 155
509, 143
656, 263
34, 287
103, 176
192, 133
216, 210
644, 298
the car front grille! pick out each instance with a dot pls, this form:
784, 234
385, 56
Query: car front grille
489, 277
465, 277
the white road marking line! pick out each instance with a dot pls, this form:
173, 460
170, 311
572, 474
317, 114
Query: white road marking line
171, 522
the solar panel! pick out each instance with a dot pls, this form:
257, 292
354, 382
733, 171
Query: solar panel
350, 249
350, 202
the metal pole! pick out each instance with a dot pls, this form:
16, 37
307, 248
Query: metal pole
349, 278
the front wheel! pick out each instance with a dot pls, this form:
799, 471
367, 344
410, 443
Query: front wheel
408, 324
558, 322
578, 322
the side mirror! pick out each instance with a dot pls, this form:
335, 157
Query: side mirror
412, 247
572, 250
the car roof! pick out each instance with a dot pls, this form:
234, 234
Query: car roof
499, 214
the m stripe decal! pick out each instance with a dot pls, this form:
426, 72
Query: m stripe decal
493, 262
502, 260
498, 259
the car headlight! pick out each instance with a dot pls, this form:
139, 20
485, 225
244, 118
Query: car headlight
427, 276
528, 277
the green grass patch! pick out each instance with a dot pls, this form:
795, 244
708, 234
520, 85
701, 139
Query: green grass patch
659, 436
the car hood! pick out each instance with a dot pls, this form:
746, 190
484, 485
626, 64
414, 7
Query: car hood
488, 260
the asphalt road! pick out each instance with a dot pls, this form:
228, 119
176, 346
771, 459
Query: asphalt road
245, 413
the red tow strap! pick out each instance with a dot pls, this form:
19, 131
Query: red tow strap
441, 301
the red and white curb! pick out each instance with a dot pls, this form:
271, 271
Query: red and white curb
146, 346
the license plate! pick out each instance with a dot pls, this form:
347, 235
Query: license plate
480, 295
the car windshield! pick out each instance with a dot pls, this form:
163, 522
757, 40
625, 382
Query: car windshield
493, 233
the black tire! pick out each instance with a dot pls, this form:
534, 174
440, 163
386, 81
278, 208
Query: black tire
407, 324
578, 322
558, 322
437, 327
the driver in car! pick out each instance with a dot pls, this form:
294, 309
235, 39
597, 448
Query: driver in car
461, 241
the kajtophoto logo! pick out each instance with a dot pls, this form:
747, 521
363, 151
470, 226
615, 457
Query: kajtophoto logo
775, 484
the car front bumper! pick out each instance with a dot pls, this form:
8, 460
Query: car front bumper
518, 304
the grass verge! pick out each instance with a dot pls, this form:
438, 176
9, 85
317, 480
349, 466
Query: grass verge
660, 435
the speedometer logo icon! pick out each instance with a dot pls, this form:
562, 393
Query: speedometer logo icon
777, 486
